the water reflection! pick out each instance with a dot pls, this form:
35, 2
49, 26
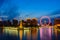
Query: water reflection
34, 33
28, 33
11, 33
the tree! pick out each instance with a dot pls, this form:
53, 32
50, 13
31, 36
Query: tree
34, 22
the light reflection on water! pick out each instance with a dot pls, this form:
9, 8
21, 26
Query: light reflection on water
13, 33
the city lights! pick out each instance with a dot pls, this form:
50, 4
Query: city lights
30, 28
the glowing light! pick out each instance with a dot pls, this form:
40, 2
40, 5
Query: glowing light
56, 29
21, 31
34, 33
27, 31
45, 31
44, 17
11, 31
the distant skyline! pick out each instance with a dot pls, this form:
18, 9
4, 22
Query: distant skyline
28, 8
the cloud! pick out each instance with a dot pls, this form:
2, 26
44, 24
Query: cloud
54, 13
8, 8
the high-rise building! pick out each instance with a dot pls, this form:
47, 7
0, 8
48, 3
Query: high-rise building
7, 23
15, 22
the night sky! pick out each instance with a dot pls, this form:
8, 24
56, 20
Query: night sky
29, 8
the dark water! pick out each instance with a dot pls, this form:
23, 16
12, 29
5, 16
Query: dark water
4, 36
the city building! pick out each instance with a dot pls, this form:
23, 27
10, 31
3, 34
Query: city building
15, 22
57, 27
